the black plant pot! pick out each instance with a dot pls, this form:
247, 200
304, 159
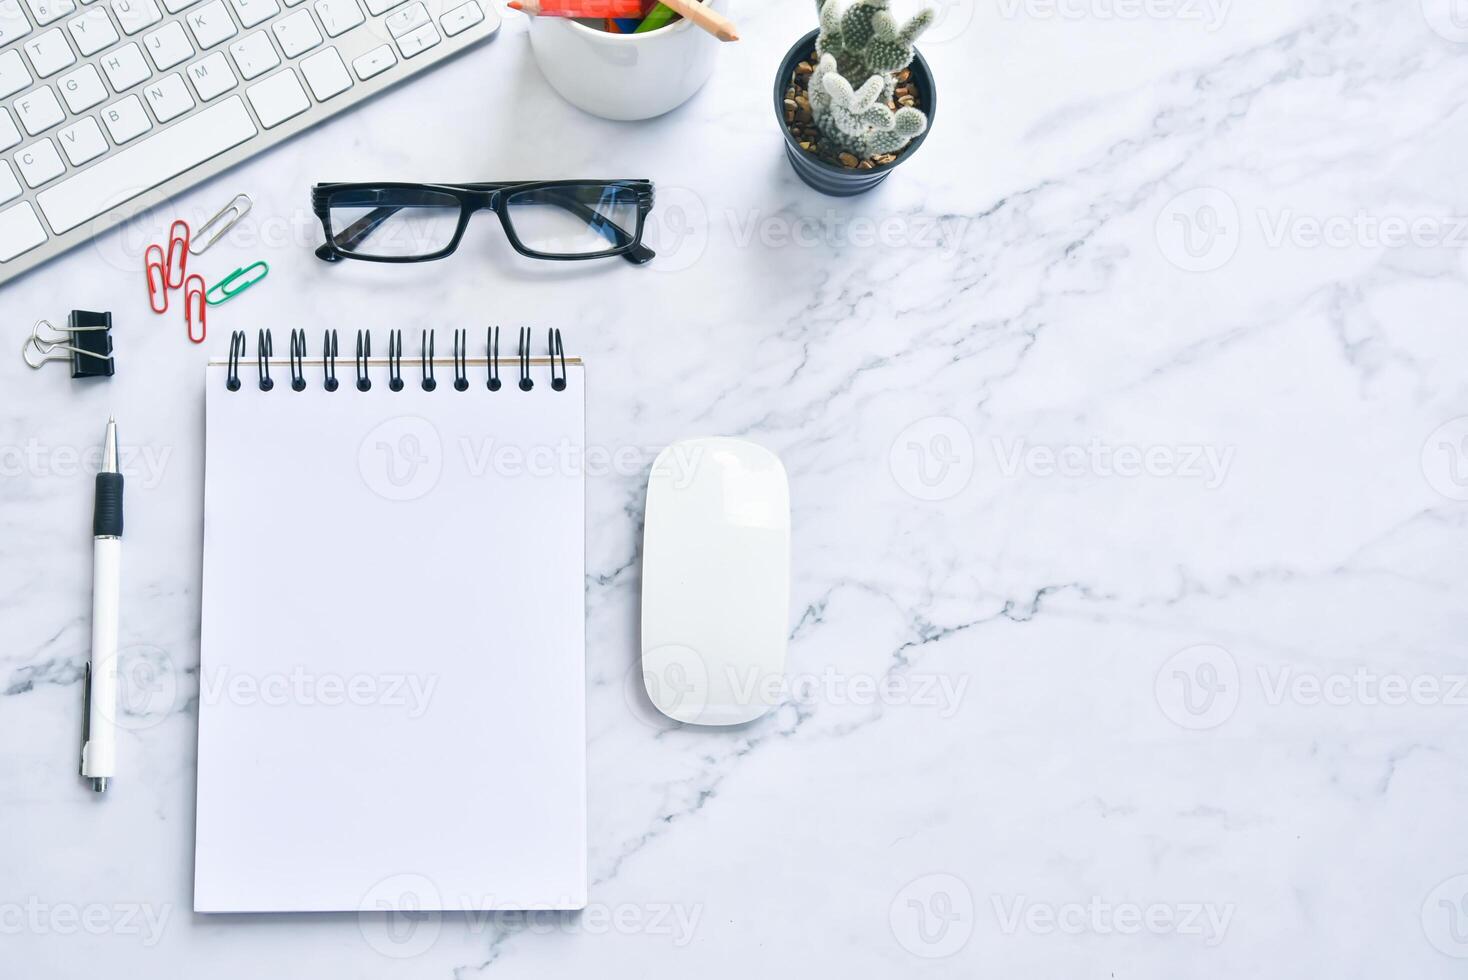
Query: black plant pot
832, 178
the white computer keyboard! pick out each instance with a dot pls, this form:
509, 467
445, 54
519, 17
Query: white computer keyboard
102, 101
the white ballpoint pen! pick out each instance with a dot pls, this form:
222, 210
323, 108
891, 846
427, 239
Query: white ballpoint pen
99, 712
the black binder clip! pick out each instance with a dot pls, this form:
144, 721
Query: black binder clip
85, 341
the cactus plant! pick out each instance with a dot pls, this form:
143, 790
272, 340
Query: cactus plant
861, 51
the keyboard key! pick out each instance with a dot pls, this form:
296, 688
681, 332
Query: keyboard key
174, 6
326, 74
418, 41
125, 67
278, 98
134, 15
338, 16
13, 23
168, 46
169, 97
39, 163
9, 135
401, 22
461, 18
92, 31
82, 89
378, 7
125, 120
212, 77
9, 186
374, 62
254, 55
20, 231
49, 53
253, 12
211, 24
39, 110
146, 164
82, 141
297, 33
46, 11
14, 75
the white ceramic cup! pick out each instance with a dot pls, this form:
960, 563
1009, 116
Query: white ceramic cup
625, 76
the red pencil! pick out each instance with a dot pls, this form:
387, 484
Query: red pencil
578, 8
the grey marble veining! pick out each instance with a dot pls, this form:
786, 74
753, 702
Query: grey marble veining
1127, 428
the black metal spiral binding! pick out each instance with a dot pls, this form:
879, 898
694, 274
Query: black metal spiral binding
238, 346
492, 344
461, 360
395, 360
328, 360
426, 358
264, 349
558, 381
364, 353
298, 359
525, 383
236, 351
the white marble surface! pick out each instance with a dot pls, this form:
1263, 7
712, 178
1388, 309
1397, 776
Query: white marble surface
1155, 546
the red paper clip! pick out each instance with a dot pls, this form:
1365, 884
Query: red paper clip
157, 288
177, 258
195, 309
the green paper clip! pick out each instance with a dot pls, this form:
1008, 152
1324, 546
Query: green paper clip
222, 286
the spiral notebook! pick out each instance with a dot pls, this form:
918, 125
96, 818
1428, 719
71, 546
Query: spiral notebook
392, 683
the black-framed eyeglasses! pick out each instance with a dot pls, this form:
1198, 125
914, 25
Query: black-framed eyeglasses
562, 220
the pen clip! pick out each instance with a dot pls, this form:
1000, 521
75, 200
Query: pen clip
86, 717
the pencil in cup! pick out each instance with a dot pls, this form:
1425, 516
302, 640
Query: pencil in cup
705, 17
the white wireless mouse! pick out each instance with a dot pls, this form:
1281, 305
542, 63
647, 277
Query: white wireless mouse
715, 581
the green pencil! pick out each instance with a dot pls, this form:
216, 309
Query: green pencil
660, 16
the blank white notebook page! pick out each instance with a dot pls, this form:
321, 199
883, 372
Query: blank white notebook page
392, 664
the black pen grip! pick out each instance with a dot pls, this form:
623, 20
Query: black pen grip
107, 509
